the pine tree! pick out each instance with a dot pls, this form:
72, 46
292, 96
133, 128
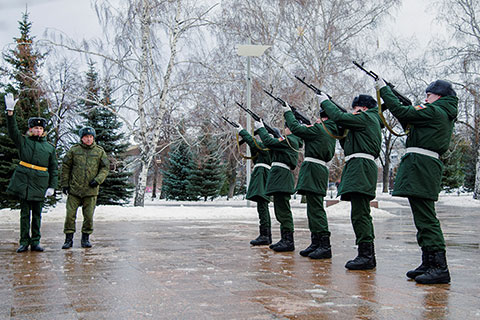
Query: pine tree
116, 189
25, 62
179, 168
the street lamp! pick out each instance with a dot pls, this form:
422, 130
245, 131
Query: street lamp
249, 51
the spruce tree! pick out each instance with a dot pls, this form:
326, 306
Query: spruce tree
25, 62
116, 189
179, 168
453, 174
207, 179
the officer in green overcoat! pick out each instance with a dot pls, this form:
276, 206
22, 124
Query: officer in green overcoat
34, 178
313, 179
84, 168
361, 146
256, 188
280, 181
420, 172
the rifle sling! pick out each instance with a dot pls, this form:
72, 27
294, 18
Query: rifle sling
380, 113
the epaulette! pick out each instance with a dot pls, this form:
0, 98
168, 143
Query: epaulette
309, 125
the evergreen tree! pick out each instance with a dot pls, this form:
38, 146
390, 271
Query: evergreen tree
453, 174
179, 168
25, 62
116, 189
207, 179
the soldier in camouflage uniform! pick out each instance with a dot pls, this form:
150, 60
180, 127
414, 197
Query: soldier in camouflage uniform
256, 187
280, 181
84, 168
359, 176
34, 178
313, 179
420, 173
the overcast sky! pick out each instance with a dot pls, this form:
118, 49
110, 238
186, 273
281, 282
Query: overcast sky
77, 19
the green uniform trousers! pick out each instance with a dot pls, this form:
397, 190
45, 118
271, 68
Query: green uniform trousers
361, 218
263, 214
317, 217
88, 207
283, 213
35, 208
429, 232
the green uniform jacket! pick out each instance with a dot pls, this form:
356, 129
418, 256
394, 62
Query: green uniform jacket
280, 180
258, 179
365, 136
431, 127
81, 165
30, 184
313, 177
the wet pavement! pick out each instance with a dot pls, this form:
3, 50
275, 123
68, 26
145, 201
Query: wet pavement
181, 269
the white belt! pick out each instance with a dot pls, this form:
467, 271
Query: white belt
423, 151
360, 155
261, 165
279, 164
315, 160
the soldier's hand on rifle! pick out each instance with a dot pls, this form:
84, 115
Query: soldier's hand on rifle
286, 107
379, 83
258, 124
50, 192
322, 97
10, 102
239, 128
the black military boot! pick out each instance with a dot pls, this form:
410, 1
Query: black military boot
324, 250
286, 243
437, 271
22, 248
36, 247
313, 246
68, 241
421, 269
85, 242
365, 259
265, 237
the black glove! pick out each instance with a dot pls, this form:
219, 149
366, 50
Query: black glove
93, 183
65, 190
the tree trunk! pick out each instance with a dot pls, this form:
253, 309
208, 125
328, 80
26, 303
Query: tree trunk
231, 187
385, 175
154, 182
476, 190
141, 185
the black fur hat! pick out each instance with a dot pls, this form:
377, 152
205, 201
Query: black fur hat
364, 100
85, 131
37, 122
442, 88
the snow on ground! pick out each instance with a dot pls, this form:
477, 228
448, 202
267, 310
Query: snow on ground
234, 210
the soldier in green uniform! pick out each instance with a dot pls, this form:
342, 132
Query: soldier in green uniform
256, 187
313, 179
420, 172
359, 176
35, 177
84, 168
280, 181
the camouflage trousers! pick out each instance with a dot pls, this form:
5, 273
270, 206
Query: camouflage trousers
88, 207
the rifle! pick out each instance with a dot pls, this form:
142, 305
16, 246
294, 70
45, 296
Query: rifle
275, 132
235, 125
404, 100
318, 91
298, 115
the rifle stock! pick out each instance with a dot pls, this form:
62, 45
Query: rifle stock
235, 125
255, 117
404, 100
